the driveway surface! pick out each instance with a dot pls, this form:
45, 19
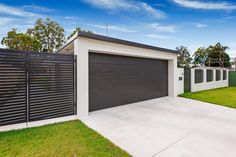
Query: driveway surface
169, 127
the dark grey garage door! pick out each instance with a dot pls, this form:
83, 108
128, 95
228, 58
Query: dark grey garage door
118, 80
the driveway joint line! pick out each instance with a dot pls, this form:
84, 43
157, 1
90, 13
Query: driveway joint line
172, 144
182, 138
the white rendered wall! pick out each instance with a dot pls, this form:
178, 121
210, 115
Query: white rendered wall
208, 85
180, 74
84, 45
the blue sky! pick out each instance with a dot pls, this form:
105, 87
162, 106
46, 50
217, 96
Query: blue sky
163, 23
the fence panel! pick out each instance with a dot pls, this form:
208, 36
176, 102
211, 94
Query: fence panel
12, 87
36, 86
51, 86
232, 78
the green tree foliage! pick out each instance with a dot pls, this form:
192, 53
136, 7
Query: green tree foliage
200, 56
217, 56
20, 41
214, 55
45, 36
184, 57
49, 33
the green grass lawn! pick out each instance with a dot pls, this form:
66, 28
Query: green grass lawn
220, 96
68, 139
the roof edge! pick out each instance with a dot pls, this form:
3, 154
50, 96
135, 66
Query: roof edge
124, 42
71, 39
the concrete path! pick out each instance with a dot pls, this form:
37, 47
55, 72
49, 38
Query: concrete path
169, 127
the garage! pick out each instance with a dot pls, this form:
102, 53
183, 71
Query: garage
113, 72
116, 80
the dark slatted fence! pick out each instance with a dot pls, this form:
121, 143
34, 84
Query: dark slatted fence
12, 87
36, 86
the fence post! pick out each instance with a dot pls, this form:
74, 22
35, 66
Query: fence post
75, 85
27, 87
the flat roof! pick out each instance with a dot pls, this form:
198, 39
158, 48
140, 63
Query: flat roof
123, 42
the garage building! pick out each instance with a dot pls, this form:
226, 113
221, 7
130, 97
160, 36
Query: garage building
113, 72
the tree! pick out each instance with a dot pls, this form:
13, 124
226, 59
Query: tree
77, 29
200, 56
20, 41
184, 57
214, 55
49, 33
217, 56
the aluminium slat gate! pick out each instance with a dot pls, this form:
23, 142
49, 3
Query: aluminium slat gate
36, 86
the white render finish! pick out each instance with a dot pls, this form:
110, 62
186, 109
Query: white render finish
84, 45
208, 85
170, 127
180, 82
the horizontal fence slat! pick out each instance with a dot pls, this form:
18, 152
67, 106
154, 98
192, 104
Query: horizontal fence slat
36, 92
15, 120
50, 100
35, 97
53, 105
52, 110
10, 116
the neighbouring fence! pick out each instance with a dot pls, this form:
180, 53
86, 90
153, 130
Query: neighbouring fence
232, 78
205, 78
36, 86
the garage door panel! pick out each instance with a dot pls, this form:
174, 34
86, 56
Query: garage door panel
118, 80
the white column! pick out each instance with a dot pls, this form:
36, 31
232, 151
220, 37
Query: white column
192, 80
80, 49
204, 75
214, 75
172, 78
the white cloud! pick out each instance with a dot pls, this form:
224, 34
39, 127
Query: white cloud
199, 25
71, 18
116, 28
5, 21
37, 8
152, 11
126, 5
197, 4
158, 36
4, 9
224, 19
163, 28
110, 4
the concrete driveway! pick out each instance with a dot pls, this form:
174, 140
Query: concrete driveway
169, 127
